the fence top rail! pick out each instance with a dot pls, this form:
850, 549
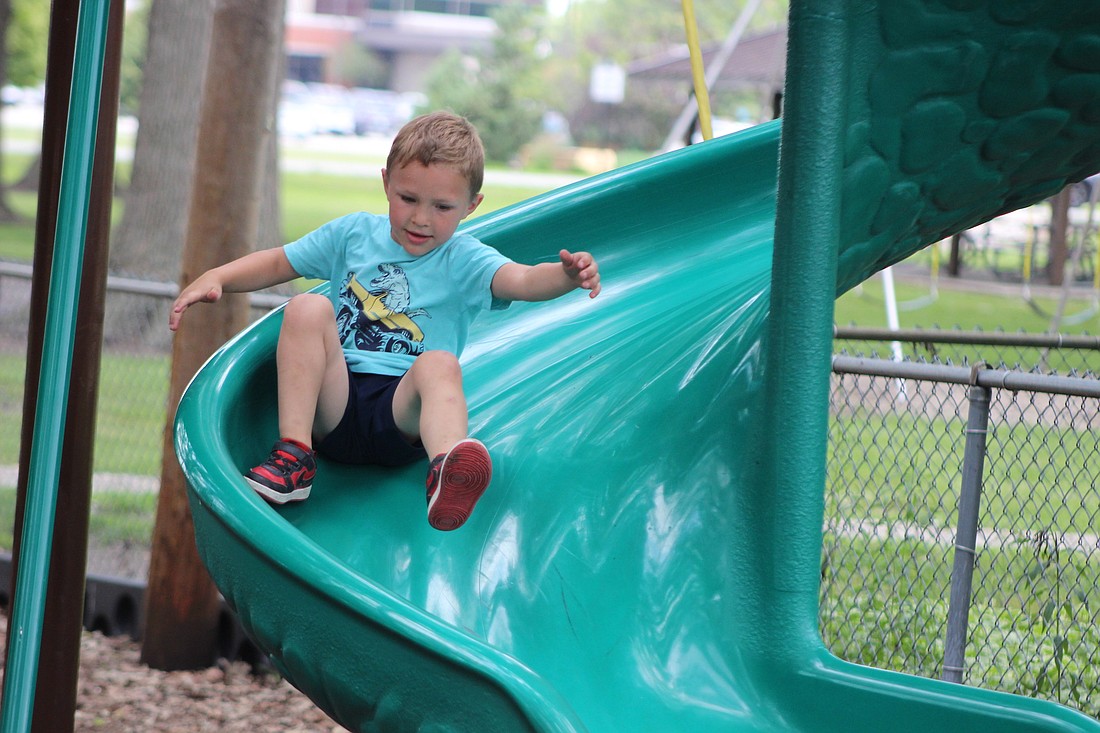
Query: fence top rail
977, 338
979, 375
134, 286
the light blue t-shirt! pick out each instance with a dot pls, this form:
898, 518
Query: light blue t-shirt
390, 306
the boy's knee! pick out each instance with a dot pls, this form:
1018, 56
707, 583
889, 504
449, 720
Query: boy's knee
439, 364
308, 307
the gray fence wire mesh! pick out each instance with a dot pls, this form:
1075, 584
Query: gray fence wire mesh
131, 412
891, 512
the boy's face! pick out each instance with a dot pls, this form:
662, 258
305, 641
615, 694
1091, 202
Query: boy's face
427, 203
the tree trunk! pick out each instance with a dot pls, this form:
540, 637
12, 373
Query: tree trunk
149, 237
181, 603
1059, 231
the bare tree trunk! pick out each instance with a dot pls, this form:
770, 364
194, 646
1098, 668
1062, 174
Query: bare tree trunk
181, 603
148, 239
150, 235
1059, 231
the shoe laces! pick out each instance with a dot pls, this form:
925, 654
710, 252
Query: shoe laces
284, 462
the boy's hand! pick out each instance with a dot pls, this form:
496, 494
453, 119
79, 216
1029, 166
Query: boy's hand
202, 290
581, 268
255, 271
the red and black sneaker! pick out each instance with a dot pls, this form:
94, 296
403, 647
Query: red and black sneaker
456, 480
286, 475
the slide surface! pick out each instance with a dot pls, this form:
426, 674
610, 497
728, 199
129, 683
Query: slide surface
632, 567
599, 546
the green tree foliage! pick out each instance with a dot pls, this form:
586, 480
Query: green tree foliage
28, 31
500, 90
359, 67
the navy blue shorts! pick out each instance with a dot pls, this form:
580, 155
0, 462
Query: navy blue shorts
367, 432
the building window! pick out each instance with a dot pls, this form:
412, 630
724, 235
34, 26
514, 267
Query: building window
352, 8
434, 6
450, 7
482, 8
300, 67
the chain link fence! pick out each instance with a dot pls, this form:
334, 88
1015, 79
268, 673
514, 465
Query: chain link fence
896, 553
131, 411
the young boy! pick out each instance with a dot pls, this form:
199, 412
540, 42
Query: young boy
370, 374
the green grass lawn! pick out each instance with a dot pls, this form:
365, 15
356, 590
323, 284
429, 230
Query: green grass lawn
884, 604
901, 468
17, 239
116, 517
968, 310
12, 371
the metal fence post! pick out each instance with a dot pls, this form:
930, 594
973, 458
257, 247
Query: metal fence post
962, 573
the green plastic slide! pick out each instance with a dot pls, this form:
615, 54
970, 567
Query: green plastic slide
647, 556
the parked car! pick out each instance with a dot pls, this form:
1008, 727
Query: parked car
315, 109
381, 111
11, 95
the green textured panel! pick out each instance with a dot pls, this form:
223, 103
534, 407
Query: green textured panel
647, 556
984, 107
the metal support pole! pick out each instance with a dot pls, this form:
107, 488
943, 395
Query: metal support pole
962, 574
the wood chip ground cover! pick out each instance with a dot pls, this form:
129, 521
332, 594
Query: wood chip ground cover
118, 694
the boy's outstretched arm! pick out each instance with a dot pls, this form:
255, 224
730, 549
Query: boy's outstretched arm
254, 271
548, 280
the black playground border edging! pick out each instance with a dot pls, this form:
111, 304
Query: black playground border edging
116, 607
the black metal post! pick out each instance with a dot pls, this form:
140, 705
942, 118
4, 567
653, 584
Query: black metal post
962, 574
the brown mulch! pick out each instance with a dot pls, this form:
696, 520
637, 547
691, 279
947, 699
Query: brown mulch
118, 694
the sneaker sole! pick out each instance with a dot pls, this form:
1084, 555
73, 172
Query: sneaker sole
278, 497
463, 478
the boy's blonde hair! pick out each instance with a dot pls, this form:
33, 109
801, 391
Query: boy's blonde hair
442, 138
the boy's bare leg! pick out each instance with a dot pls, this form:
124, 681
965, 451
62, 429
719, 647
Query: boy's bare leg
429, 402
313, 379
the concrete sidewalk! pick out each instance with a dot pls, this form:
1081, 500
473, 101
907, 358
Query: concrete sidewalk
101, 482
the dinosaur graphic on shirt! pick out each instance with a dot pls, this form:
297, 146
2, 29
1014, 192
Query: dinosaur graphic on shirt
379, 318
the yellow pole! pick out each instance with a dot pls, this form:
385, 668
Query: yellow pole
1096, 268
698, 77
1029, 244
